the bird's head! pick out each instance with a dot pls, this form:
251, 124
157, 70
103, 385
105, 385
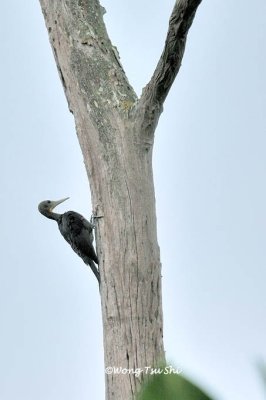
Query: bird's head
46, 207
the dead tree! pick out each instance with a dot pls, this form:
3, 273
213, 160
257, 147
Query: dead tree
116, 129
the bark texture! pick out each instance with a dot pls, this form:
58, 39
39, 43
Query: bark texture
116, 131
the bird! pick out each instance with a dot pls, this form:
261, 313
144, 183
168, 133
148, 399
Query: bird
76, 230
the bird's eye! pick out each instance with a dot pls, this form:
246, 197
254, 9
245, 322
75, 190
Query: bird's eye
48, 201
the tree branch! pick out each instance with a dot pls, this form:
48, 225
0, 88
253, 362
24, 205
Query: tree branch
86, 59
154, 94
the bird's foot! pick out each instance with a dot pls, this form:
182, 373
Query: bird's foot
93, 217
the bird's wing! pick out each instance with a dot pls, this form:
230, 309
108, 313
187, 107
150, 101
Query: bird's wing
80, 235
77, 222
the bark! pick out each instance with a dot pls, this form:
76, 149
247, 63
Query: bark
116, 130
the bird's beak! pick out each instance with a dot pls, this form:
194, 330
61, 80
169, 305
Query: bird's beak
56, 203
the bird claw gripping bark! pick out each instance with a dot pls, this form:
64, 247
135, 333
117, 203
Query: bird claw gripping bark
94, 216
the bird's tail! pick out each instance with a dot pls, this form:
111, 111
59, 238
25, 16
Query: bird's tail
94, 269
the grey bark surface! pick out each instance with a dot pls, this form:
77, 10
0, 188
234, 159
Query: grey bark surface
116, 133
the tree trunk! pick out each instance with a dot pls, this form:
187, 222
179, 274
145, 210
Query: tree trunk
116, 132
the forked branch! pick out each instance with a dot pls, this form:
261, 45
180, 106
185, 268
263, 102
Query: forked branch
154, 94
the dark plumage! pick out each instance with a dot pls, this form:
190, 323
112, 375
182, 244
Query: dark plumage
77, 231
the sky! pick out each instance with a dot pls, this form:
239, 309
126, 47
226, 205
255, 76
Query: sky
209, 171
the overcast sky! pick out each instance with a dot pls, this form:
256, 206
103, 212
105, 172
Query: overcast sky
209, 167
